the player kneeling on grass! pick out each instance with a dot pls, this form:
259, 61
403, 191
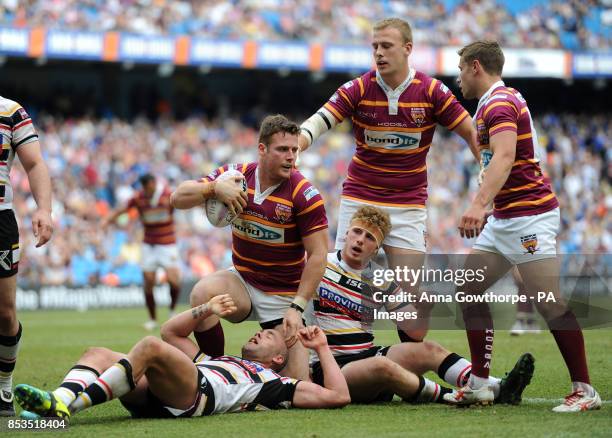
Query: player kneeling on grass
156, 379
344, 307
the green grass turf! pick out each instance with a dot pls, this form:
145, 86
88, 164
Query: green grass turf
53, 340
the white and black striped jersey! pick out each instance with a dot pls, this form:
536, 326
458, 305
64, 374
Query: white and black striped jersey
344, 305
232, 384
16, 129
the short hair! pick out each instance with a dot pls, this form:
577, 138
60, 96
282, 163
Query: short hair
146, 179
274, 124
396, 23
488, 53
374, 216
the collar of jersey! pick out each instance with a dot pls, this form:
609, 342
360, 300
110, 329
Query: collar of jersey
346, 268
259, 197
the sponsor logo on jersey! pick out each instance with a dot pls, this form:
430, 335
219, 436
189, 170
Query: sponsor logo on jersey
257, 231
310, 193
334, 98
156, 216
530, 243
24, 115
392, 140
283, 213
418, 116
348, 85
443, 88
483, 132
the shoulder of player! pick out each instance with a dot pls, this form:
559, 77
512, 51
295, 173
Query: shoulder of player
500, 98
10, 111
300, 185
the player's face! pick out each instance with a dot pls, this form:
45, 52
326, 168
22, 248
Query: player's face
359, 247
465, 80
390, 51
149, 189
278, 158
263, 346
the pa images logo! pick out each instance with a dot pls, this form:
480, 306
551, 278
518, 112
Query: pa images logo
530, 243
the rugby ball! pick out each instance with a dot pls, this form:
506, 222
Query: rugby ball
217, 212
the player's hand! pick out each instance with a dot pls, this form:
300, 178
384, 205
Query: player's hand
312, 337
230, 192
222, 305
292, 322
42, 226
472, 221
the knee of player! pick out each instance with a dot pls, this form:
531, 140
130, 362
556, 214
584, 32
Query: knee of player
149, 347
385, 368
201, 293
100, 356
434, 349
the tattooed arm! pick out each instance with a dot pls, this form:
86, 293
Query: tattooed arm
176, 331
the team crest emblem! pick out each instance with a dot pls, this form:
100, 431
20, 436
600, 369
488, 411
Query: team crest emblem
418, 116
530, 243
283, 213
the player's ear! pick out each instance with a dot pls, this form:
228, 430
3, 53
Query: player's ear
262, 148
278, 362
408, 47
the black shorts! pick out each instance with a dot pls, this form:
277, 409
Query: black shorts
9, 244
343, 359
152, 407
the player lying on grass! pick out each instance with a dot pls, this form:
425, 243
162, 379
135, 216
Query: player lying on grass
344, 308
157, 379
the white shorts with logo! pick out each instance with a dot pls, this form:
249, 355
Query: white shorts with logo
264, 307
409, 228
159, 256
522, 239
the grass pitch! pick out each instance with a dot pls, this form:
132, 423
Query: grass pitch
53, 340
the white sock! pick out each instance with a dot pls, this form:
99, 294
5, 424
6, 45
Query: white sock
585, 387
455, 374
478, 382
429, 392
115, 382
77, 379
495, 384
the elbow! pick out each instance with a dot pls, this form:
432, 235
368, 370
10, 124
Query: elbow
165, 332
342, 400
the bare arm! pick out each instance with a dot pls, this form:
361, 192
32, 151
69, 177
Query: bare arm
315, 245
503, 146
176, 330
192, 193
335, 394
40, 184
466, 130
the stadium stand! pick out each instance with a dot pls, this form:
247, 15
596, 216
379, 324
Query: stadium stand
573, 24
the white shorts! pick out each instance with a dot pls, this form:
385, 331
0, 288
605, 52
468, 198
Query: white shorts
409, 229
159, 256
264, 307
522, 239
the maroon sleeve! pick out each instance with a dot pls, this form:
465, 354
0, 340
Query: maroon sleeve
500, 114
309, 208
447, 109
344, 101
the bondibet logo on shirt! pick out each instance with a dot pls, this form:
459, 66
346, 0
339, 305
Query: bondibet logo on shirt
253, 230
392, 140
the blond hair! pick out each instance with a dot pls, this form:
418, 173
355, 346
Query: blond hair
396, 23
488, 53
374, 217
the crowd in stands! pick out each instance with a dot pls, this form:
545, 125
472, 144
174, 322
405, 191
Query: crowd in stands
575, 24
95, 164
